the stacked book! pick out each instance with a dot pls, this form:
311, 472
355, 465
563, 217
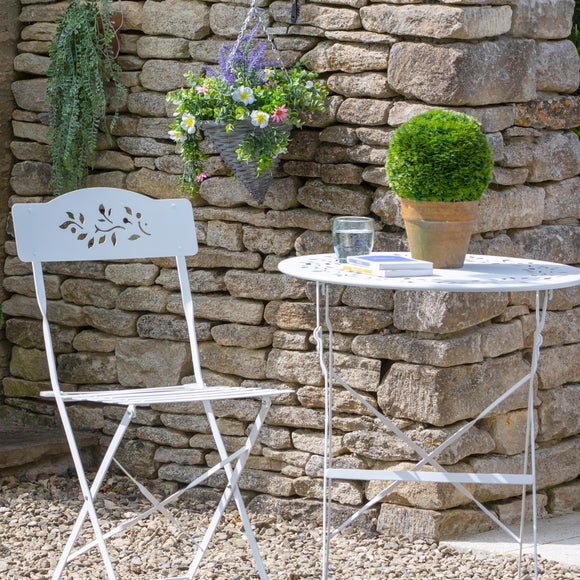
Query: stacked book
385, 264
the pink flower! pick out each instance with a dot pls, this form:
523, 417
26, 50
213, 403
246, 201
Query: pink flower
201, 90
279, 114
202, 177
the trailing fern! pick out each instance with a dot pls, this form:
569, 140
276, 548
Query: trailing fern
82, 66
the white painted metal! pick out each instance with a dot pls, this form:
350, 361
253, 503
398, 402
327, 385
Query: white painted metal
480, 274
109, 224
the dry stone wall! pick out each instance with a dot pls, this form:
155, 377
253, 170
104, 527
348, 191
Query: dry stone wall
430, 360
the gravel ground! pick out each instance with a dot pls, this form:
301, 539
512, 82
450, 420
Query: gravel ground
36, 516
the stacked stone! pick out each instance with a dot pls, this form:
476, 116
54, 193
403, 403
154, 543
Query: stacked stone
429, 360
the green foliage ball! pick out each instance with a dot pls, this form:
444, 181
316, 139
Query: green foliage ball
439, 155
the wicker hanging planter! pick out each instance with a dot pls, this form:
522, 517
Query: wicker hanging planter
227, 143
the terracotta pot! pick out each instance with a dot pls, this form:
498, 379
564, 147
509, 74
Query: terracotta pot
439, 231
116, 23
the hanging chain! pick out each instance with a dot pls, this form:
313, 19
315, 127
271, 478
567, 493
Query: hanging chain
260, 14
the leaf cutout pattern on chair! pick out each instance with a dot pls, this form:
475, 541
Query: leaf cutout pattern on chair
107, 228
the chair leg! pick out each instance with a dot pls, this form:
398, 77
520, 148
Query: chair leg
232, 488
90, 494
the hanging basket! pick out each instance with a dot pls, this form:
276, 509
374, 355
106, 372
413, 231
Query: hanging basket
227, 143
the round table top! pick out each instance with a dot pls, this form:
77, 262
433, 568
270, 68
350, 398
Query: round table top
479, 274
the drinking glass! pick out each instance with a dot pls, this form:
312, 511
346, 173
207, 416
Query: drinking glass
352, 236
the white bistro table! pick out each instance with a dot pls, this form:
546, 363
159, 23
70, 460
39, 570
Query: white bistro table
479, 274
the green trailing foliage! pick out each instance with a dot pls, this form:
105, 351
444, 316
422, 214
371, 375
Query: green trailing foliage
439, 155
81, 72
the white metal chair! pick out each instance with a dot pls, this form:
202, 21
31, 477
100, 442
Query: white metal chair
106, 224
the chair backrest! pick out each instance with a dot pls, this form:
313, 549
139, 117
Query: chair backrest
105, 223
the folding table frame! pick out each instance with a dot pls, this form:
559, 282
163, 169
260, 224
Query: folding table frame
102, 224
480, 274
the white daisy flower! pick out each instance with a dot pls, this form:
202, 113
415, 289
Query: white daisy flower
188, 123
244, 95
260, 119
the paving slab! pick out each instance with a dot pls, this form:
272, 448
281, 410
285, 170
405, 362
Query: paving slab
558, 540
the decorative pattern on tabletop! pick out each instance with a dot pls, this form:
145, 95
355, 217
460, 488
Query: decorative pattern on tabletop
480, 273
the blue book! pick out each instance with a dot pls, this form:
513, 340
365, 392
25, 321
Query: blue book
387, 261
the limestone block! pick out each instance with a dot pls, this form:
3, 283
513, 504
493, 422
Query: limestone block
342, 401
146, 104
115, 322
300, 316
166, 75
564, 498
508, 431
343, 174
397, 520
275, 438
255, 462
335, 56
25, 285
555, 145
436, 21
443, 312
334, 199
267, 241
30, 94
144, 147
225, 308
314, 442
460, 73
31, 63
137, 456
18, 305
227, 19
510, 512
363, 111
200, 280
163, 436
222, 258
153, 183
555, 464
550, 243
181, 18
181, 456
151, 363
294, 366
562, 299
87, 368
244, 362
365, 154
94, 341
435, 496
324, 17
542, 18
39, 31
252, 337
148, 298
454, 350
558, 66
286, 340
189, 422
441, 396
86, 418
498, 339
302, 168
505, 176
29, 363
94, 292
24, 151
373, 85
359, 297
558, 412
382, 445
66, 314
560, 200
14, 387
553, 113
559, 328
132, 274
375, 136
28, 334
559, 365
520, 206
387, 205
305, 143
169, 327
225, 235
113, 160
30, 178
263, 286
160, 47
231, 443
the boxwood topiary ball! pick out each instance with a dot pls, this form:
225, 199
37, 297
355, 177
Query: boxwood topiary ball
439, 155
